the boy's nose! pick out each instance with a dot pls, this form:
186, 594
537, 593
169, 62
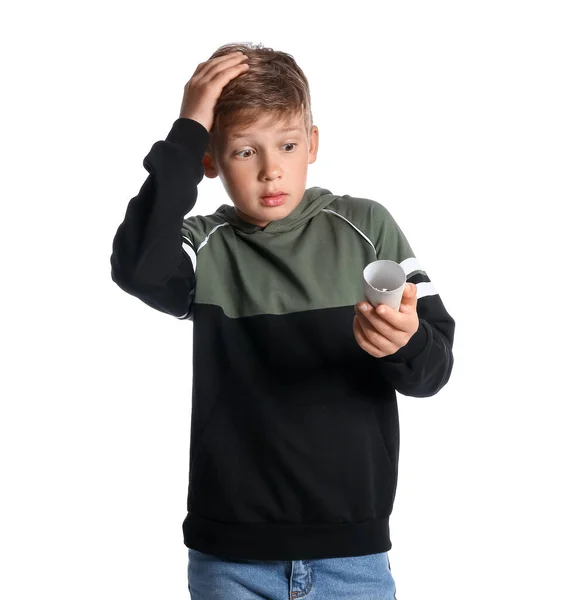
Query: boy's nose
270, 167
271, 172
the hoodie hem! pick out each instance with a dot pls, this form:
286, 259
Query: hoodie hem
286, 541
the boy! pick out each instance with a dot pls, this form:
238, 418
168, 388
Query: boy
294, 430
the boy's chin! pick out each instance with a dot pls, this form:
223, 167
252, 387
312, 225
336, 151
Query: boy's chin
259, 220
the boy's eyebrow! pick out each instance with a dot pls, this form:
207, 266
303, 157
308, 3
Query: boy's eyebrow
236, 136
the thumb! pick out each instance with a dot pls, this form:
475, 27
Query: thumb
409, 298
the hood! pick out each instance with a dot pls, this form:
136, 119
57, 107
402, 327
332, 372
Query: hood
313, 201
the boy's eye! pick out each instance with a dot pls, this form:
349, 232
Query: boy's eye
242, 153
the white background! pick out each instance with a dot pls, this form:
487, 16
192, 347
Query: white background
460, 117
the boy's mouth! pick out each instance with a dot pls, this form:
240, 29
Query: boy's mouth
274, 200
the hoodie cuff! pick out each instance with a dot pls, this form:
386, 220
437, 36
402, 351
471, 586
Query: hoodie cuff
414, 346
191, 134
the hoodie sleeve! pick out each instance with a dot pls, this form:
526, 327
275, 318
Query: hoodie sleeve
423, 366
152, 257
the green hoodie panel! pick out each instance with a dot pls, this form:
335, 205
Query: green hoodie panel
234, 258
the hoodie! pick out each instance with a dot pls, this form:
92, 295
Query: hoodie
294, 443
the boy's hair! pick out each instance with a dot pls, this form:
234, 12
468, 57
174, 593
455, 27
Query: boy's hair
273, 85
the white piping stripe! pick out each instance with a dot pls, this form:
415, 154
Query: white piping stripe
425, 288
190, 251
206, 238
411, 264
345, 219
187, 246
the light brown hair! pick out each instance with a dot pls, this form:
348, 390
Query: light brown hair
273, 85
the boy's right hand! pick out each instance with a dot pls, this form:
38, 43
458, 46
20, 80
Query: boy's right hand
205, 86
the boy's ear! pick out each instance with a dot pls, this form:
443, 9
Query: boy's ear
210, 169
313, 144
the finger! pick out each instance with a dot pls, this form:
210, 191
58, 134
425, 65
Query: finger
391, 323
222, 78
377, 331
398, 321
207, 64
408, 290
216, 66
409, 300
381, 326
199, 68
216, 80
362, 340
222, 58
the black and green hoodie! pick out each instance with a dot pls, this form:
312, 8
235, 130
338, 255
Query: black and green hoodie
294, 432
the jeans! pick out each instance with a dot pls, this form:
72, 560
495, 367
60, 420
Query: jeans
355, 578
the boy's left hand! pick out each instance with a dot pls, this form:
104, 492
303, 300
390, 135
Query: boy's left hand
383, 334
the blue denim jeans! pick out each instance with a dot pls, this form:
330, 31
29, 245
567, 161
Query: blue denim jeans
355, 578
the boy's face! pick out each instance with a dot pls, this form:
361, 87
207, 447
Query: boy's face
264, 159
